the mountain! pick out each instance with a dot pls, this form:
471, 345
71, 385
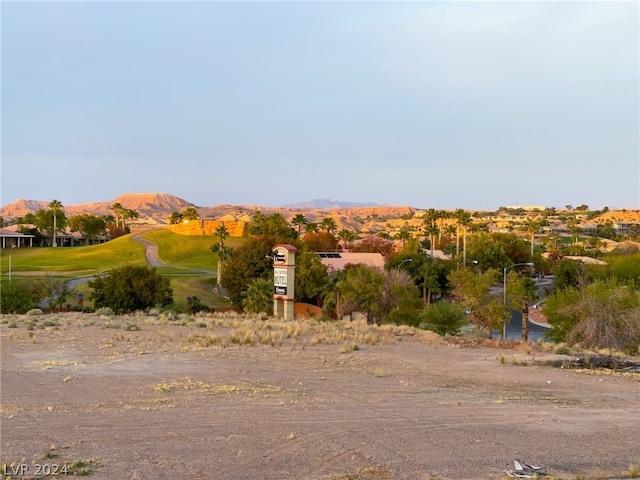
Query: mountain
148, 205
326, 204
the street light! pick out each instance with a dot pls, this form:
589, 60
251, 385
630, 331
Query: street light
504, 293
10, 252
402, 263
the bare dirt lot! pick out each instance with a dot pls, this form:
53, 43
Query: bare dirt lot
219, 399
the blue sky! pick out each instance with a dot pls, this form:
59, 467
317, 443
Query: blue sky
428, 104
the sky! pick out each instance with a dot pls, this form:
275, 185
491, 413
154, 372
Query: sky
447, 104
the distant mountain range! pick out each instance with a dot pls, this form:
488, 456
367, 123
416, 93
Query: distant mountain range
162, 205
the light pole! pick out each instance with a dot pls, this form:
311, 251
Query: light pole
10, 252
402, 263
504, 293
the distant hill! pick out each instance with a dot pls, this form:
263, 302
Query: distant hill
148, 205
327, 204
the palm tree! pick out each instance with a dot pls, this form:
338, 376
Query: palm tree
190, 213
130, 214
533, 226
55, 205
118, 211
311, 227
223, 252
529, 292
403, 235
176, 217
432, 231
258, 296
346, 236
298, 221
463, 219
328, 224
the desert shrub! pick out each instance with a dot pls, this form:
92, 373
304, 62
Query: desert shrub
601, 315
106, 311
444, 318
34, 311
130, 288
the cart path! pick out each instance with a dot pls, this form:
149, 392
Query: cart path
153, 259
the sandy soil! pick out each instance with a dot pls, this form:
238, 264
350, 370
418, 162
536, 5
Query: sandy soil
163, 403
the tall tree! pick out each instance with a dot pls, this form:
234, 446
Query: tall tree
328, 224
298, 221
130, 214
403, 235
471, 290
118, 212
220, 249
521, 291
463, 220
362, 290
55, 205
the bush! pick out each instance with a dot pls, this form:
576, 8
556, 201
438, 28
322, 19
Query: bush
19, 296
106, 311
131, 288
34, 311
445, 318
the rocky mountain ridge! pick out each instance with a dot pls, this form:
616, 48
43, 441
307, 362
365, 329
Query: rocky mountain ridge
159, 207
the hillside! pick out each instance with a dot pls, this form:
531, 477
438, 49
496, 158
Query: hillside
149, 205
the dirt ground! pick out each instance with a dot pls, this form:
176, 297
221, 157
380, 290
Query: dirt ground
189, 401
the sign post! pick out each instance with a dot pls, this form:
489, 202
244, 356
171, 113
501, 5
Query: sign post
284, 271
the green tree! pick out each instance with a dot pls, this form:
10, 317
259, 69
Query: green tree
55, 206
604, 314
258, 296
118, 213
521, 291
190, 213
445, 318
328, 224
471, 289
20, 296
55, 291
247, 262
463, 220
130, 288
347, 236
361, 291
90, 226
129, 214
221, 250
400, 301
311, 276
311, 227
175, 218
298, 221
403, 235
274, 224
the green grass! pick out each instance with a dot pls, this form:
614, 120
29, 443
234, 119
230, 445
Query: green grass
78, 261
189, 253
198, 286
192, 251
